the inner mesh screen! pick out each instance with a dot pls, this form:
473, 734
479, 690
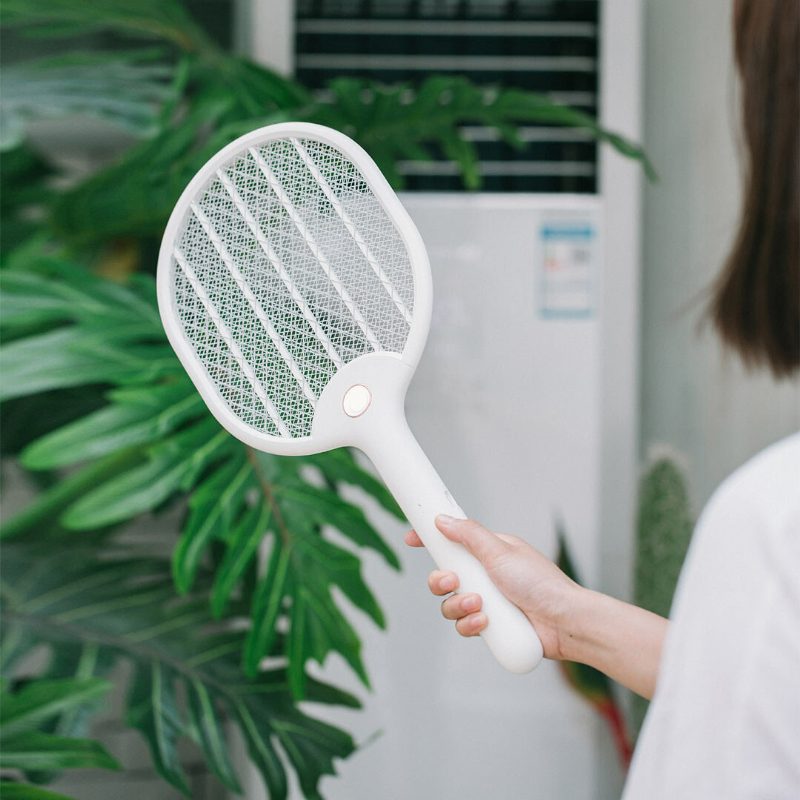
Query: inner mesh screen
287, 269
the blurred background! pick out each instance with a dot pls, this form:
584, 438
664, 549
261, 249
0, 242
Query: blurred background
572, 167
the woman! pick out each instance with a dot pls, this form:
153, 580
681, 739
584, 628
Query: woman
724, 673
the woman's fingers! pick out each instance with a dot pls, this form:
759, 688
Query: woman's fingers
460, 605
485, 545
472, 624
412, 540
465, 609
442, 582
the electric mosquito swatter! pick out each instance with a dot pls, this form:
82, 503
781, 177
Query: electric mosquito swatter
296, 292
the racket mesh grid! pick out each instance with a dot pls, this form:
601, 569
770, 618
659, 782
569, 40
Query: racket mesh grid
287, 268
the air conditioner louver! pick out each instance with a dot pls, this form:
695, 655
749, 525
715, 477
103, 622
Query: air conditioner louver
548, 46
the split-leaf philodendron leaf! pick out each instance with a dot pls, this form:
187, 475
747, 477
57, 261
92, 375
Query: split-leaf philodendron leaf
253, 542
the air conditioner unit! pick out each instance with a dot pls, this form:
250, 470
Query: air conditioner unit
525, 400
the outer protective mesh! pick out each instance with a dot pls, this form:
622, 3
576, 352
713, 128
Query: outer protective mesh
277, 285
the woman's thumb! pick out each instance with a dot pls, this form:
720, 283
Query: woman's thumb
479, 541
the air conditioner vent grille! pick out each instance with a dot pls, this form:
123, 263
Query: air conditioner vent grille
548, 46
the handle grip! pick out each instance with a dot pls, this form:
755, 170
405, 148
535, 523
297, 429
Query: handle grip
421, 494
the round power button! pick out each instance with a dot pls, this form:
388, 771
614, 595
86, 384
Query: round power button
356, 400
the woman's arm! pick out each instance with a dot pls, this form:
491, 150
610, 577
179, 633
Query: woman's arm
617, 638
574, 623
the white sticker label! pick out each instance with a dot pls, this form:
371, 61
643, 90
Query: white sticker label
567, 268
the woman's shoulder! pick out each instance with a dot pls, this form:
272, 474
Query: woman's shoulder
749, 530
727, 673
764, 491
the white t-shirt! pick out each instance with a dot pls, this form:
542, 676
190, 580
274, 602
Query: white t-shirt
725, 719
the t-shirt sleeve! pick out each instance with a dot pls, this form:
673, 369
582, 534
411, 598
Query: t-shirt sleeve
725, 719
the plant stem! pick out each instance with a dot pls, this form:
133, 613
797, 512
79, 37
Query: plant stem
269, 496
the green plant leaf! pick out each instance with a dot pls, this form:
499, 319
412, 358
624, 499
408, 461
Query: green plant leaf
31, 737
258, 738
242, 542
209, 732
72, 357
266, 607
154, 443
340, 467
23, 175
25, 791
318, 692
311, 747
317, 628
82, 662
143, 488
186, 677
153, 709
229, 96
465, 155
39, 287
327, 508
117, 426
48, 505
127, 89
40, 700
150, 19
401, 121
319, 557
135, 195
213, 507
42, 752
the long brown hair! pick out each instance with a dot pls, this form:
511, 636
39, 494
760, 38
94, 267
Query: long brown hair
756, 302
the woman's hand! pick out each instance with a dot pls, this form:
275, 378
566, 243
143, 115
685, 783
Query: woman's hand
526, 577
573, 623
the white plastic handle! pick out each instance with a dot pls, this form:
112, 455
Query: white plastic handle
419, 491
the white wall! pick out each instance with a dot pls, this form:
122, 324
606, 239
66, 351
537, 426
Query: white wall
694, 396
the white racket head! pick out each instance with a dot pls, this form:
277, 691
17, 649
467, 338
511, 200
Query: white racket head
289, 257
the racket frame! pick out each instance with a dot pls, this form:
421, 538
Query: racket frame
329, 436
